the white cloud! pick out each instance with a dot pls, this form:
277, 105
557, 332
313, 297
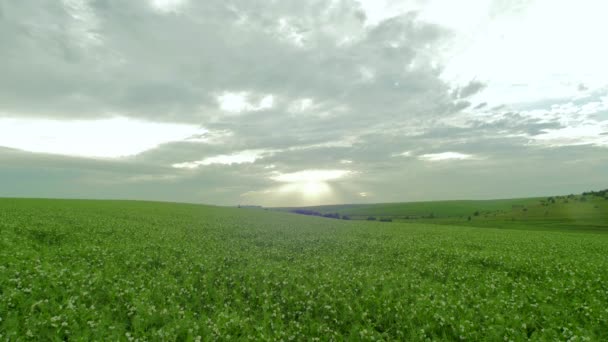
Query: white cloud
239, 102
168, 6
243, 157
443, 156
301, 105
211, 137
103, 138
527, 52
403, 154
290, 33
346, 142
584, 134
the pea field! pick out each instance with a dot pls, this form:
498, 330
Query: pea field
145, 271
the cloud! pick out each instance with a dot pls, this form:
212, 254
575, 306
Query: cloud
571, 136
208, 100
481, 105
169, 6
470, 89
403, 154
444, 156
239, 102
243, 157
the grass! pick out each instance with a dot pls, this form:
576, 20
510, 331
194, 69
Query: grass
112, 270
571, 213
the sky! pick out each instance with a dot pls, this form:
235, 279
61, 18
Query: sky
302, 102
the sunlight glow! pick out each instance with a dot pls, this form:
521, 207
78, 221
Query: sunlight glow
310, 190
312, 184
307, 176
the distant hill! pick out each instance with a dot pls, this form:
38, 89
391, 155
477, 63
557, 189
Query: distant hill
588, 211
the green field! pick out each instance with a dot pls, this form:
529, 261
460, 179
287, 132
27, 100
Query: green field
573, 212
119, 270
421, 209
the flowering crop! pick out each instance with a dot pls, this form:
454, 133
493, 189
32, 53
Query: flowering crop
137, 271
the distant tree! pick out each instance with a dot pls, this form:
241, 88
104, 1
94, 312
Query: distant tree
371, 218
476, 213
386, 219
334, 216
469, 218
306, 212
344, 217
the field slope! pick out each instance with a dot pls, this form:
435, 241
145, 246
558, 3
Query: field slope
573, 212
114, 270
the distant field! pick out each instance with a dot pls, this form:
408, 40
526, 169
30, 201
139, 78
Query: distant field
578, 213
113, 270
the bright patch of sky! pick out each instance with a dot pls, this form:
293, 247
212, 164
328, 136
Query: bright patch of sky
102, 138
310, 185
525, 51
587, 134
544, 51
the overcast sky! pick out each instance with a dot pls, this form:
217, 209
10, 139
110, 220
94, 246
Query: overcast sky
302, 102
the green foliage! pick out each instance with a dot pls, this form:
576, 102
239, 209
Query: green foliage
111, 270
